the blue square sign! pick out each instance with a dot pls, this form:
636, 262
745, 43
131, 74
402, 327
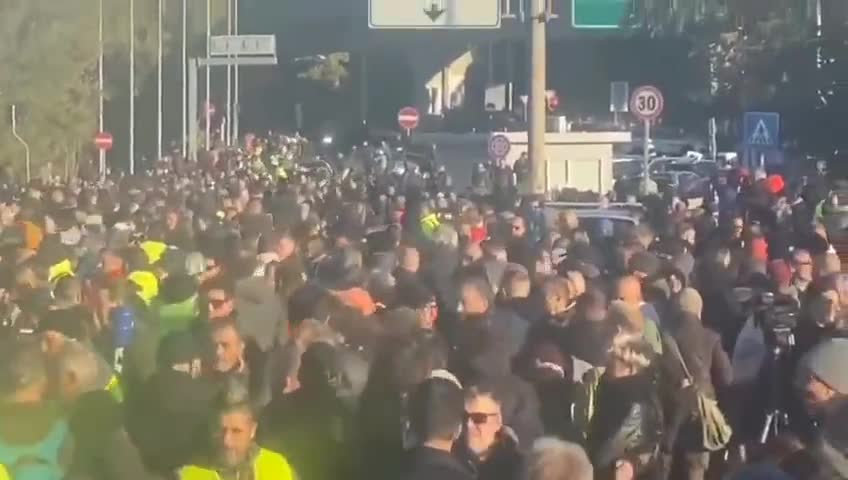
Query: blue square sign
762, 130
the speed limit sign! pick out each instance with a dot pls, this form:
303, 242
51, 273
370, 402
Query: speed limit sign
646, 102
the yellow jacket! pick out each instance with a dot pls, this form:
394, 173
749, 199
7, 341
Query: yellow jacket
267, 466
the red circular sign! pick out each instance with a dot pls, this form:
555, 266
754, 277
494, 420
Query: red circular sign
408, 118
103, 140
647, 103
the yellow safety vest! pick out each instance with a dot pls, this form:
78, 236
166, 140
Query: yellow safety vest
4, 475
267, 466
154, 250
114, 389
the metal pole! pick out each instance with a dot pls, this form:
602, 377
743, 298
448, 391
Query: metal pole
18, 137
236, 104
192, 108
185, 81
363, 87
225, 132
646, 159
159, 87
132, 87
538, 71
101, 163
208, 77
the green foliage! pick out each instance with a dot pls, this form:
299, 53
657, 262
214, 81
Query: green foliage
331, 71
49, 52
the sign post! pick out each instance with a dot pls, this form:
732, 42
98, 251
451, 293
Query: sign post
647, 103
499, 147
434, 14
225, 50
761, 134
103, 142
408, 118
608, 14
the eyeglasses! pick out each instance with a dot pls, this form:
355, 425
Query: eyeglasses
803, 263
479, 418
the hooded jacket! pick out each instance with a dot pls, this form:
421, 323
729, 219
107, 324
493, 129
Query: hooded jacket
260, 314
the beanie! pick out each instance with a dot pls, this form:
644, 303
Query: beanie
827, 361
689, 301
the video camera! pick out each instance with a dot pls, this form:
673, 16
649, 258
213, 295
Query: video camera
777, 316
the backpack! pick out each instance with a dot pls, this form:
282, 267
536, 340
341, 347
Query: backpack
36, 461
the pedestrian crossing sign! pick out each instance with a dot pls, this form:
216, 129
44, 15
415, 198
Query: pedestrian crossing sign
762, 129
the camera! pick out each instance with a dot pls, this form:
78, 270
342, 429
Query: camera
777, 316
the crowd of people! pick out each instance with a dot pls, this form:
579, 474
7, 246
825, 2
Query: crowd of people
220, 323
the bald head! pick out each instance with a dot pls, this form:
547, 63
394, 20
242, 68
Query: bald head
629, 290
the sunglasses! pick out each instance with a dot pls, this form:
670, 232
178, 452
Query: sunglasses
479, 418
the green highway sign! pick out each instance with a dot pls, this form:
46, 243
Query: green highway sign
599, 13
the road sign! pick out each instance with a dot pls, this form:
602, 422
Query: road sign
499, 147
647, 103
762, 129
242, 45
103, 141
600, 13
619, 97
434, 14
408, 118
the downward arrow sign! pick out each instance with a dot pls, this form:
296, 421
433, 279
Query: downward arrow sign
434, 12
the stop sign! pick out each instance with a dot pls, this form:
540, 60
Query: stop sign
103, 140
408, 118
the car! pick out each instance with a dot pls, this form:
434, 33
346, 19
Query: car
600, 220
684, 184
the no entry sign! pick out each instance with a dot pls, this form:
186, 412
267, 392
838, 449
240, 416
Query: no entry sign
103, 141
408, 118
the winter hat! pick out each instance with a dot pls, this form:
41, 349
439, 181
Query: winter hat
689, 301
827, 362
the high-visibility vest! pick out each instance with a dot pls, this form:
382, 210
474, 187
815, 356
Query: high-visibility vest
267, 466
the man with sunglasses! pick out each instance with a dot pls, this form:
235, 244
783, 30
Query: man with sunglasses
436, 413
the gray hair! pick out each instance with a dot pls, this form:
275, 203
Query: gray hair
82, 363
554, 459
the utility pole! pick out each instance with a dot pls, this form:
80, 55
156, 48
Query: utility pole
101, 164
225, 133
185, 80
132, 87
234, 123
159, 84
208, 76
538, 72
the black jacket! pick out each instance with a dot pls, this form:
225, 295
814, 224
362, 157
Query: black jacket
703, 353
504, 461
426, 463
627, 420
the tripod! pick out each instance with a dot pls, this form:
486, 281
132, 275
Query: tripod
776, 418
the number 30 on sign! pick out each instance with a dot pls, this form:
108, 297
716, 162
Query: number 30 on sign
647, 103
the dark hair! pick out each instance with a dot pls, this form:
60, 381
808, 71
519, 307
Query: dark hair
436, 409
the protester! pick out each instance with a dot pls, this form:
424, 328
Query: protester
347, 306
